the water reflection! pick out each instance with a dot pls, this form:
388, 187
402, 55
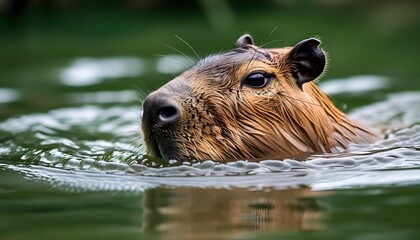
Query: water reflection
88, 71
354, 84
196, 213
173, 64
8, 95
104, 97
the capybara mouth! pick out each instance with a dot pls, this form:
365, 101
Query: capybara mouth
164, 149
160, 145
248, 103
153, 147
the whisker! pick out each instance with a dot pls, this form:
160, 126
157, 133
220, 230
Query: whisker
198, 57
186, 65
272, 31
180, 52
270, 42
141, 90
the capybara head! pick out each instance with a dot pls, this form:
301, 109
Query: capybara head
248, 103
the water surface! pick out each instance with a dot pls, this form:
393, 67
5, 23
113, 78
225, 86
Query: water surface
87, 167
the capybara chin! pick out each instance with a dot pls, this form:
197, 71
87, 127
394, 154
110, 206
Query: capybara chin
249, 103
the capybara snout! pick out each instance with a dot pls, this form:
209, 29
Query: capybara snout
160, 109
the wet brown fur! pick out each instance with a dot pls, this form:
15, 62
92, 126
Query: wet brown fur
222, 120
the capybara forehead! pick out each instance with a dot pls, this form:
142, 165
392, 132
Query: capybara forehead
228, 63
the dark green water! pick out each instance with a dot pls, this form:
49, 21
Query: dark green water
72, 162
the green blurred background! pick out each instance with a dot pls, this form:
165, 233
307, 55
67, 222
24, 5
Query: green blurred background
40, 38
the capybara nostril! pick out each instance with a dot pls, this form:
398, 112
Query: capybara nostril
160, 109
168, 114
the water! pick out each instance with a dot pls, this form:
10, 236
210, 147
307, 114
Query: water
86, 167
68, 143
72, 160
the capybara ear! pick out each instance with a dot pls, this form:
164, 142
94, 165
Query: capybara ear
308, 61
244, 41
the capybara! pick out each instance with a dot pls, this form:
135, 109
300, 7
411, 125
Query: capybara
248, 103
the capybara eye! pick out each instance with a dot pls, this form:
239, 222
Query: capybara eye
256, 80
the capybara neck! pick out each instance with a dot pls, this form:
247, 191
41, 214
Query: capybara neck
249, 103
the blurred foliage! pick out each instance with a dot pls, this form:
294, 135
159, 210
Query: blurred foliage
35, 31
40, 37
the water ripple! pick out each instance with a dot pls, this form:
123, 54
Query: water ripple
96, 148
